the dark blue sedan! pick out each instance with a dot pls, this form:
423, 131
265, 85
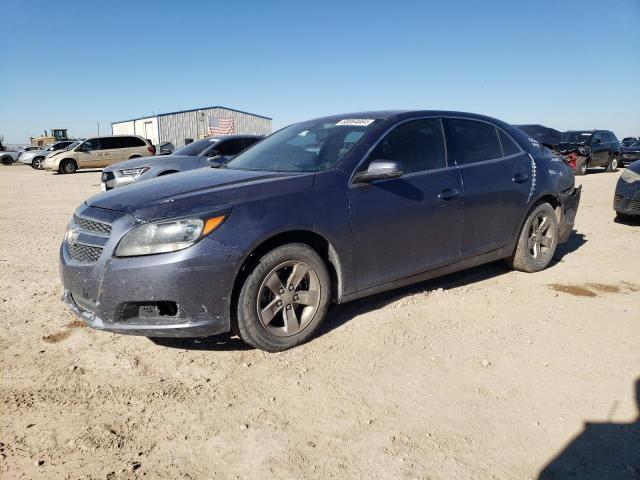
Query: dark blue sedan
323, 211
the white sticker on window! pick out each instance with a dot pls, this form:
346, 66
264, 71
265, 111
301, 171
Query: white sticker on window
356, 122
302, 134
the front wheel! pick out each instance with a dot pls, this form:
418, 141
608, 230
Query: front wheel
538, 240
284, 299
37, 163
68, 166
613, 164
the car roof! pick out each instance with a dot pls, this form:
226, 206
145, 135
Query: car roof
394, 115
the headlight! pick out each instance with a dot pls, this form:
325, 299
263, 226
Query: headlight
630, 176
166, 236
130, 172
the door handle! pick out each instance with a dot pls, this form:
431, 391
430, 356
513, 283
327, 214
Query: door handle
449, 194
520, 177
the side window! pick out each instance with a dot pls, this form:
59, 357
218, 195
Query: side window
597, 136
475, 141
508, 145
109, 143
418, 145
92, 144
230, 147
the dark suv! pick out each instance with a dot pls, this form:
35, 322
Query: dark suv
594, 148
331, 209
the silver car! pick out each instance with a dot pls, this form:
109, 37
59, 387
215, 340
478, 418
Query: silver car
36, 157
201, 153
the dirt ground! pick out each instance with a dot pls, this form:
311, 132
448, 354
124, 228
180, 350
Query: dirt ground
488, 373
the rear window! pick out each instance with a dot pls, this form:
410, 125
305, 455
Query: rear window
475, 141
508, 146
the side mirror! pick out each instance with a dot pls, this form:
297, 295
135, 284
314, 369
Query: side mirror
379, 170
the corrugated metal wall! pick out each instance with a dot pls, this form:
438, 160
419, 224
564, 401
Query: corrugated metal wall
176, 127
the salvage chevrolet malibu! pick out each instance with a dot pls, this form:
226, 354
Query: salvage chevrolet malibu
323, 211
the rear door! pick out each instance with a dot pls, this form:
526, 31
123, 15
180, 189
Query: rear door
407, 225
496, 175
111, 150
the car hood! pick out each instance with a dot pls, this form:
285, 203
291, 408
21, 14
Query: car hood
142, 161
197, 190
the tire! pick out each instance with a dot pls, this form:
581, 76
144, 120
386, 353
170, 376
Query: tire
6, 159
613, 164
271, 316
68, 166
537, 241
581, 167
37, 163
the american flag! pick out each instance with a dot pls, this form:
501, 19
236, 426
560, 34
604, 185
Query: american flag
221, 126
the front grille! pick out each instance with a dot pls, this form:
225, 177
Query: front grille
617, 200
84, 253
106, 176
92, 225
635, 205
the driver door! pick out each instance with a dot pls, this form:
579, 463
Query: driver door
407, 225
88, 154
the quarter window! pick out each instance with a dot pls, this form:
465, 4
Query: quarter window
508, 145
475, 141
418, 145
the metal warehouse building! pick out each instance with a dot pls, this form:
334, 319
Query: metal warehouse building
182, 127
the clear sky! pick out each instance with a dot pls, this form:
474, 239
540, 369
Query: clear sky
567, 64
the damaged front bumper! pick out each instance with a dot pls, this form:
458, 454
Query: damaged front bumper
569, 201
186, 293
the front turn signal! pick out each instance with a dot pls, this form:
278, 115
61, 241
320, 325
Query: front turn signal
211, 224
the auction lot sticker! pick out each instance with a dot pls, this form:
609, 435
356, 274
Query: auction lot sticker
356, 122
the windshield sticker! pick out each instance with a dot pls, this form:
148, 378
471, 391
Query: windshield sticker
302, 134
586, 134
356, 122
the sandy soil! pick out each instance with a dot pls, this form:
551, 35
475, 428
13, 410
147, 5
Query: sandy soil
488, 373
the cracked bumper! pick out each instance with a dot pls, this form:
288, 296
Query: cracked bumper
199, 280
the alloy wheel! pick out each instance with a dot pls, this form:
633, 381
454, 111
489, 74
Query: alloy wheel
288, 298
540, 236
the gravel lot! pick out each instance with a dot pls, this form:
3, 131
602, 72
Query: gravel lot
488, 373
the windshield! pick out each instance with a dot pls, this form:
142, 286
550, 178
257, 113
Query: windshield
74, 145
194, 149
304, 147
577, 137
635, 144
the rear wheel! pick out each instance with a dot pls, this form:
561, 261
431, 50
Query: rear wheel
284, 299
37, 163
581, 167
538, 240
68, 166
613, 164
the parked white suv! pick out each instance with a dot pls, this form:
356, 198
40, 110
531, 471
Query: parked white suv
98, 152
